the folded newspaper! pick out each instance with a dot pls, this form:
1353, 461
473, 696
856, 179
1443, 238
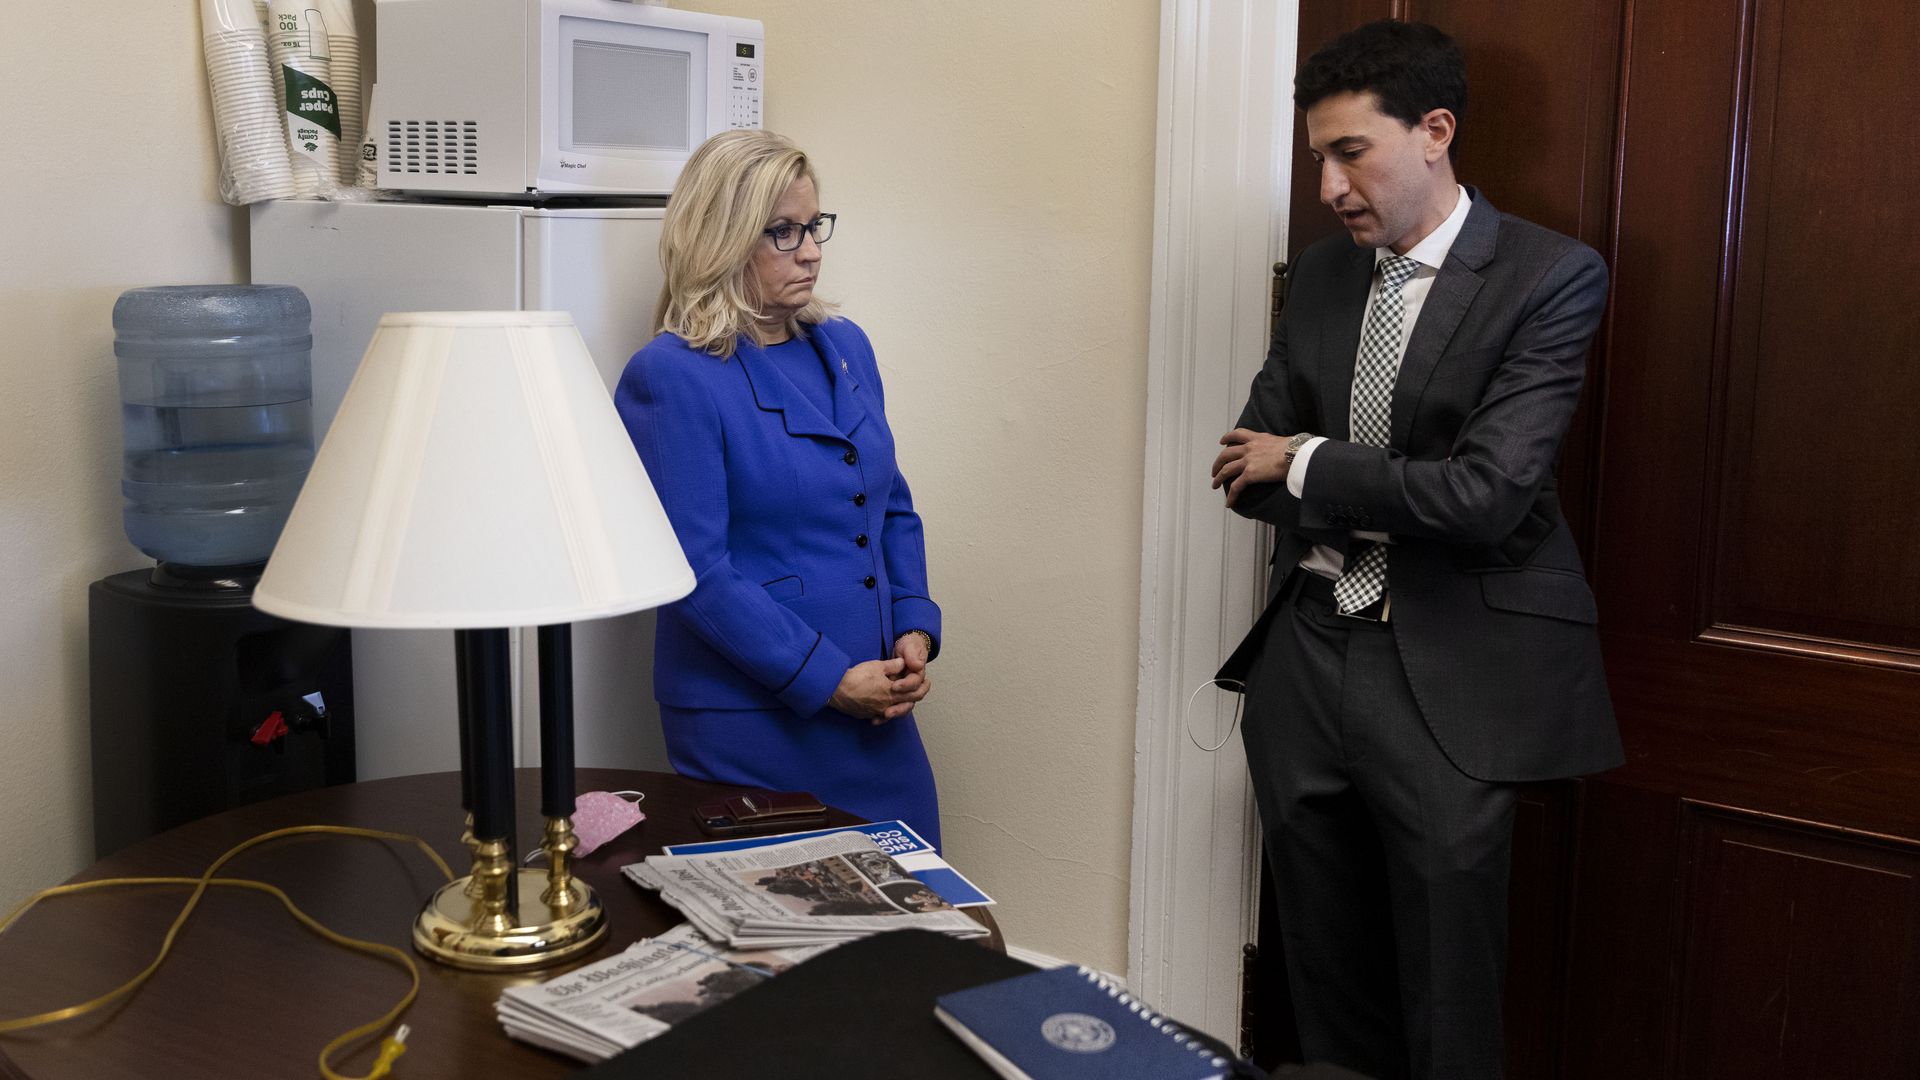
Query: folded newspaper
596, 1011
816, 890
896, 838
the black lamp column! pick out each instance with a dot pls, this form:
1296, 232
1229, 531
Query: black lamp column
462, 675
556, 762
487, 775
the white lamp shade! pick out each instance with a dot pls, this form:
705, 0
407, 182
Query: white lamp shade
476, 476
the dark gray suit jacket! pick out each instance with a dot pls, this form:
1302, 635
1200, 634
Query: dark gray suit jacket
1490, 606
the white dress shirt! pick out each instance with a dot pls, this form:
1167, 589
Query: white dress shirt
1430, 253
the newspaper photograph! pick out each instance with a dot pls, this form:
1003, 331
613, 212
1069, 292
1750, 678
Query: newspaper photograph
830, 887
598, 1010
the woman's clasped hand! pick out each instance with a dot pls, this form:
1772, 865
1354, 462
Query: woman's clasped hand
883, 690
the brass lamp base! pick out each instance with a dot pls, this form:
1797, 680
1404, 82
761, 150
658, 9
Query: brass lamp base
454, 930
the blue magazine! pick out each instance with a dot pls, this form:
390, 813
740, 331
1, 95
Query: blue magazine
896, 839
1072, 1024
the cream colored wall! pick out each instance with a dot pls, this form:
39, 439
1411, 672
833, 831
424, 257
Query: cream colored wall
992, 163
109, 184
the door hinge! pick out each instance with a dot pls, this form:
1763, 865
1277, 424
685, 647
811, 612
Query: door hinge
1279, 304
1249, 996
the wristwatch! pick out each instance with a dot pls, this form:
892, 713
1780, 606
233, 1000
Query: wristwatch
1294, 444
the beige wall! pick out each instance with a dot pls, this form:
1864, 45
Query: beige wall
109, 185
992, 163
993, 166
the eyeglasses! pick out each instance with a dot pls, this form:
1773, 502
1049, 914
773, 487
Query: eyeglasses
787, 237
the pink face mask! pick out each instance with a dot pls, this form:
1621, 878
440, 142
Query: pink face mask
599, 816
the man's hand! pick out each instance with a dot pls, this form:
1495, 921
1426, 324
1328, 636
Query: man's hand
1249, 457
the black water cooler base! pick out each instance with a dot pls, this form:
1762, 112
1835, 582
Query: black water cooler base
185, 683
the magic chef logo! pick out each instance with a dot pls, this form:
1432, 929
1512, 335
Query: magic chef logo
1077, 1032
565, 164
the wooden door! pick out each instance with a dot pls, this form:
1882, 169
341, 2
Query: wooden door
1752, 871
1742, 899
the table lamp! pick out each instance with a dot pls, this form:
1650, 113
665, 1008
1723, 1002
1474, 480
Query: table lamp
477, 478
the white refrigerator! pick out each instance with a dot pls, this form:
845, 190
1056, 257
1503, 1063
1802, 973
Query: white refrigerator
357, 261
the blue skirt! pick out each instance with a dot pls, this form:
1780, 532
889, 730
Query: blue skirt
878, 772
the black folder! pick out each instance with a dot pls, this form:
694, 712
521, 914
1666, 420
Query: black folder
861, 1010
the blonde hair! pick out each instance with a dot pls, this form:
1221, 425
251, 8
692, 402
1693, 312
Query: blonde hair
724, 198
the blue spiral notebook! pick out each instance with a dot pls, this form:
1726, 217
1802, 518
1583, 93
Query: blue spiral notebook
1070, 1023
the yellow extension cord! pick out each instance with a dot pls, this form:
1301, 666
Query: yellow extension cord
390, 1048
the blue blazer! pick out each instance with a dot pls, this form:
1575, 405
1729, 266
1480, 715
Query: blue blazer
801, 531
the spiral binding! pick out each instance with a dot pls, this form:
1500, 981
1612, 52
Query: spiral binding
1181, 1037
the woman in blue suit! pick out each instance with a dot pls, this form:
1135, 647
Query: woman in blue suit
797, 660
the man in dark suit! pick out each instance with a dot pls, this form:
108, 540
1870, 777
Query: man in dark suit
1428, 641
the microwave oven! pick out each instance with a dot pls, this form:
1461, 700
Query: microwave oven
532, 99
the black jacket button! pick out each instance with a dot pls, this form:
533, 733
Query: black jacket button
850, 457
868, 581
860, 499
861, 540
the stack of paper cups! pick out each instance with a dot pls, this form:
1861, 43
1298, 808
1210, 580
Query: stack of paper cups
298, 42
344, 41
246, 114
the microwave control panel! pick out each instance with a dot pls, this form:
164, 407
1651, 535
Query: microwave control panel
743, 85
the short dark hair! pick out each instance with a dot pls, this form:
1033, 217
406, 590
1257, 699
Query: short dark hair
1411, 68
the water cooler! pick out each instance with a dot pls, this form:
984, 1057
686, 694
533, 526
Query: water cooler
199, 702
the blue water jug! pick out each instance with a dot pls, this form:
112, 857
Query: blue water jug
216, 393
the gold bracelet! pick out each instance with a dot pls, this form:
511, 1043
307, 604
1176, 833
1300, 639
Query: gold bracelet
924, 636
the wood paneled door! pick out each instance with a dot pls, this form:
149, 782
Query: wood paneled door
1742, 898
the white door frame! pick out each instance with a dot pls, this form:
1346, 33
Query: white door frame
1222, 169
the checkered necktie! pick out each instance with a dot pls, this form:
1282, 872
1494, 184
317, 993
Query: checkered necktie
1365, 575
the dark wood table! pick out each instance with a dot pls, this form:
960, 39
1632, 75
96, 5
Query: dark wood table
250, 994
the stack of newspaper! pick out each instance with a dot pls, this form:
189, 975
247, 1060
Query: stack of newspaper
596, 1011
815, 890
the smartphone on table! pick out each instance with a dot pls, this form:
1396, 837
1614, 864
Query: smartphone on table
757, 813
